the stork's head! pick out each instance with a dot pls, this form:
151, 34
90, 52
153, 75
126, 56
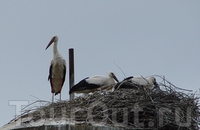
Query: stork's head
54, 39
112, 75
152, 81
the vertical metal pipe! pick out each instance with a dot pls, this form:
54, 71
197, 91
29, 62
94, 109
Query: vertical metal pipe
71, 71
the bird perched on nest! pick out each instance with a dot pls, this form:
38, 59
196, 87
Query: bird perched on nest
134, 82
93, 83
57, 69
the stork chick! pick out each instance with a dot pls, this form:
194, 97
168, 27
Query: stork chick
131, 81
93, 83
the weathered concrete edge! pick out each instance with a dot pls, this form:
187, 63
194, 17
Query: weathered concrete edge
70, 127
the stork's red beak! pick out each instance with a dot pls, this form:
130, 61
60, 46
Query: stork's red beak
52, 40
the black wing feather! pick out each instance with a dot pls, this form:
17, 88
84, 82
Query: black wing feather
64, 74
83, 85
50, 74
77, 86
130, 77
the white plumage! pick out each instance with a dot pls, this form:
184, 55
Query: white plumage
57, 70
91, 84
148, 82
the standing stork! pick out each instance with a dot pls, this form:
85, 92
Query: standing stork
93, 83
57, 70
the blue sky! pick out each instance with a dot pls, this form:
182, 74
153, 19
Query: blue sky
141, 37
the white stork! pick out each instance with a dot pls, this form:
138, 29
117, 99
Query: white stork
93, 83
138, 80
57, 70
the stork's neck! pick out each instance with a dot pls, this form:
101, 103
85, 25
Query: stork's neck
55, 50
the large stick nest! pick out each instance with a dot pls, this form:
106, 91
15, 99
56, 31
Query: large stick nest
168, 107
